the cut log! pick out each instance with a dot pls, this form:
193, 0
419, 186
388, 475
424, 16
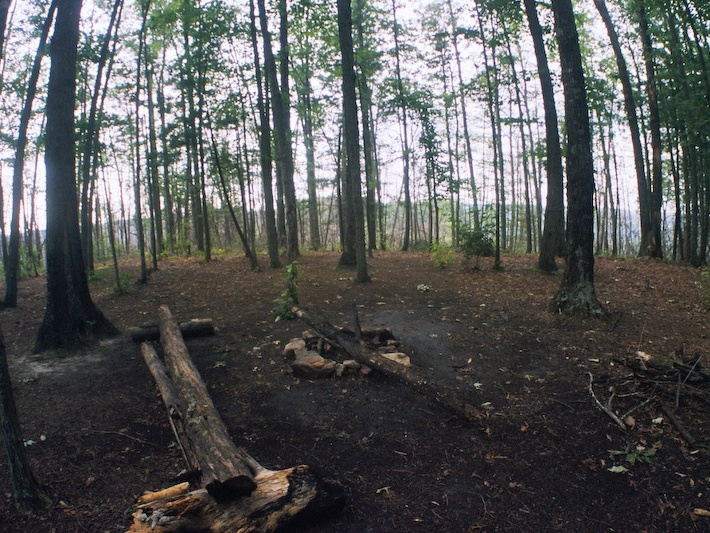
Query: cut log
197, 327
408, 376
224, 468
282, 497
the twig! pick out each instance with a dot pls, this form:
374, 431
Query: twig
102, 432
687, 437
607, 410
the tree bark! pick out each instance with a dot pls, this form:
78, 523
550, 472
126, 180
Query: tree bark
70, 317
552, 242
352, 141
224, 471
25, 489
576, 294
12, 265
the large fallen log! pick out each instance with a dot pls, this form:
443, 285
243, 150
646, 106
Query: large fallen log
406, 375
224, 469
235, 493
196, 327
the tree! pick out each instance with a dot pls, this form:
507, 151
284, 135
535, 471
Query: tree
552, 242
646, 248
12, 265
71, 317
25, 489
576, 294
355, 222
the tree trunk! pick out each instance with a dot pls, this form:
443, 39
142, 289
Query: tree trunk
552, 243
645, 248
12, 264
70, 316
282, 130
576, 295
264, 148
406, 181
25, 489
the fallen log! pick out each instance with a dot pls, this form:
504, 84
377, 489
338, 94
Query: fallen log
282, 498
406, 375
254, 499
196, 327
223, 467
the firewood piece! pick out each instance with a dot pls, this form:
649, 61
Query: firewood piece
408, 376
281, 497
196, 327
225, 471
170, 492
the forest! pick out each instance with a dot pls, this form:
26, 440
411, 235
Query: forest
437, 166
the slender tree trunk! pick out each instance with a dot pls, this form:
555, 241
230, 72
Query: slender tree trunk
282, 127
630, 108
12, 265
137, 196
25, 489
356, 221
464, 114
264, 149
405, 134
552, 243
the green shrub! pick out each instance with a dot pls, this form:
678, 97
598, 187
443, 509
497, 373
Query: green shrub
441, 256
475, 243
289, 297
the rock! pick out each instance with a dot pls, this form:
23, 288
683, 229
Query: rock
310, 365
398, 357
365, 370
351, 364
340, 369
293, 346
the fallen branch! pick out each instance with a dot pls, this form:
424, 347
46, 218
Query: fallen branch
604, 408
687, 437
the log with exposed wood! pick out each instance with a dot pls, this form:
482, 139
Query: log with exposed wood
234, 493
196, 327
404, 374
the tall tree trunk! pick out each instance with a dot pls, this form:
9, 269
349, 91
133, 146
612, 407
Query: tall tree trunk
631, 116
464, 114
137, 195
282, 128
264, 149
405, 134
90, 149
356, 219
576, 294
12, 265
552, 243
70, 316
165, 159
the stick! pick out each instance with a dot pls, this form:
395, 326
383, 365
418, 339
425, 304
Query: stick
687, 437
604, 408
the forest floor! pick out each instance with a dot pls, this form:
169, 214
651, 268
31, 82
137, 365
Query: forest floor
543, 458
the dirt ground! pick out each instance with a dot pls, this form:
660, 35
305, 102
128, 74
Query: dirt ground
544, 457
